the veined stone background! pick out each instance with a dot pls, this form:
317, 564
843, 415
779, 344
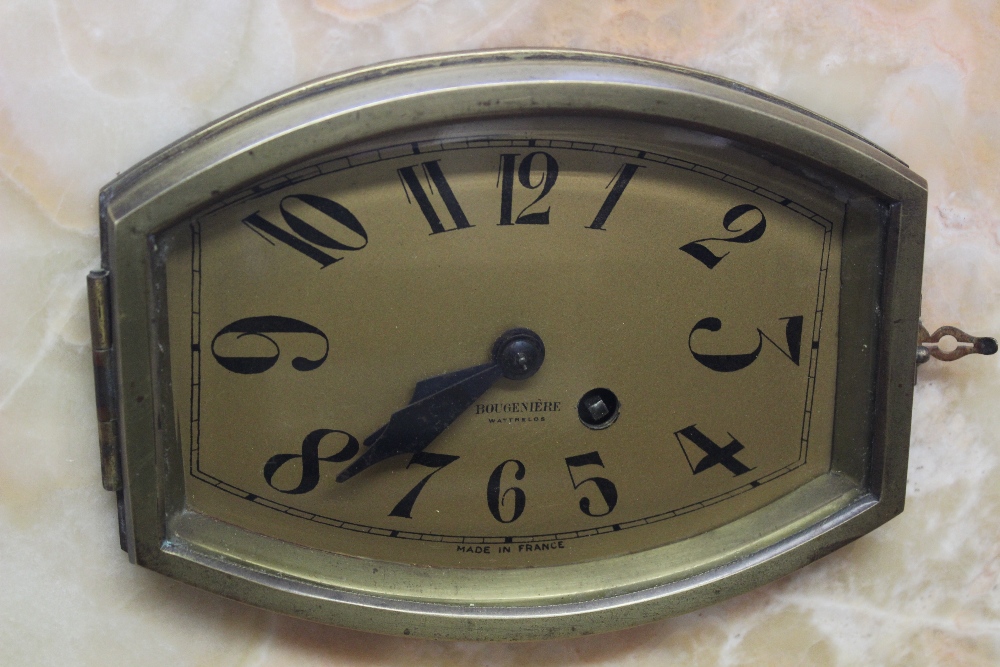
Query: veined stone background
89, 87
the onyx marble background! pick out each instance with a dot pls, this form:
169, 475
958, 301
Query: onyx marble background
89, 87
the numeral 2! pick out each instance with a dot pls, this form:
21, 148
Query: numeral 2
307, 239
505, 180
428, 460
435, 179
727, 363
700, 252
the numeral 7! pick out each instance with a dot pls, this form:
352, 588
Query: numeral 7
428, 460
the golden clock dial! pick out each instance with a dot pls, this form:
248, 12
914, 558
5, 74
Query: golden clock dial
332, 330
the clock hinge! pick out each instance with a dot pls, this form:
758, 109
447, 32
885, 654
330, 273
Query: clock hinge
105, 386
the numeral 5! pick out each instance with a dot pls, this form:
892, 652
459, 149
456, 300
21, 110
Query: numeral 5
607, 488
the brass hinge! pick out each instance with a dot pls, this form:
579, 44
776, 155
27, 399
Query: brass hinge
105, 386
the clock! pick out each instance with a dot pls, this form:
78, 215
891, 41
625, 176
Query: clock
507, 345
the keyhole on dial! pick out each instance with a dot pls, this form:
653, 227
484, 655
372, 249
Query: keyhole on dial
598, 408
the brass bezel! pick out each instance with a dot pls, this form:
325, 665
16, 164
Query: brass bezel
881, 274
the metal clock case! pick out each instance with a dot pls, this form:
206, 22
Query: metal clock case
506, 345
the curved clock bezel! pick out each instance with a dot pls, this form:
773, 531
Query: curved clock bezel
881, 273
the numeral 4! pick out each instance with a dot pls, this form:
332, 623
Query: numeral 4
712, 454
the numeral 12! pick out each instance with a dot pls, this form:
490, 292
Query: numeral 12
505, 179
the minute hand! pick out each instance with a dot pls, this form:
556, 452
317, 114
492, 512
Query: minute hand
438, 401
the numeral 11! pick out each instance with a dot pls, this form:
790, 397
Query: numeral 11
432, 169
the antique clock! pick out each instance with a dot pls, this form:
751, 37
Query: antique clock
507, 345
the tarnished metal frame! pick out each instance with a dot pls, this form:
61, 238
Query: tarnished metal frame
881, 274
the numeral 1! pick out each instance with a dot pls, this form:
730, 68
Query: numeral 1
621, 180
435, 179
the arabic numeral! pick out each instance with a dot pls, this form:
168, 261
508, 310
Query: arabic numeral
310, 460
428, 460
703, 254
621, 180
307, 238
607, 489
435, 178
728, 363
497, 500
711, 454
259, 328
505, 180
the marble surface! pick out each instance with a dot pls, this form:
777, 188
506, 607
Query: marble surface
89, 87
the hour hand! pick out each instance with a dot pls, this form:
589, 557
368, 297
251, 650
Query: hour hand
438, 401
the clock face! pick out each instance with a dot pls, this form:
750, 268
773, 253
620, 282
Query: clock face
505, 345
332, 329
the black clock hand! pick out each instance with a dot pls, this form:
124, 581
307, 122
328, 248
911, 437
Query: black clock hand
438, 401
